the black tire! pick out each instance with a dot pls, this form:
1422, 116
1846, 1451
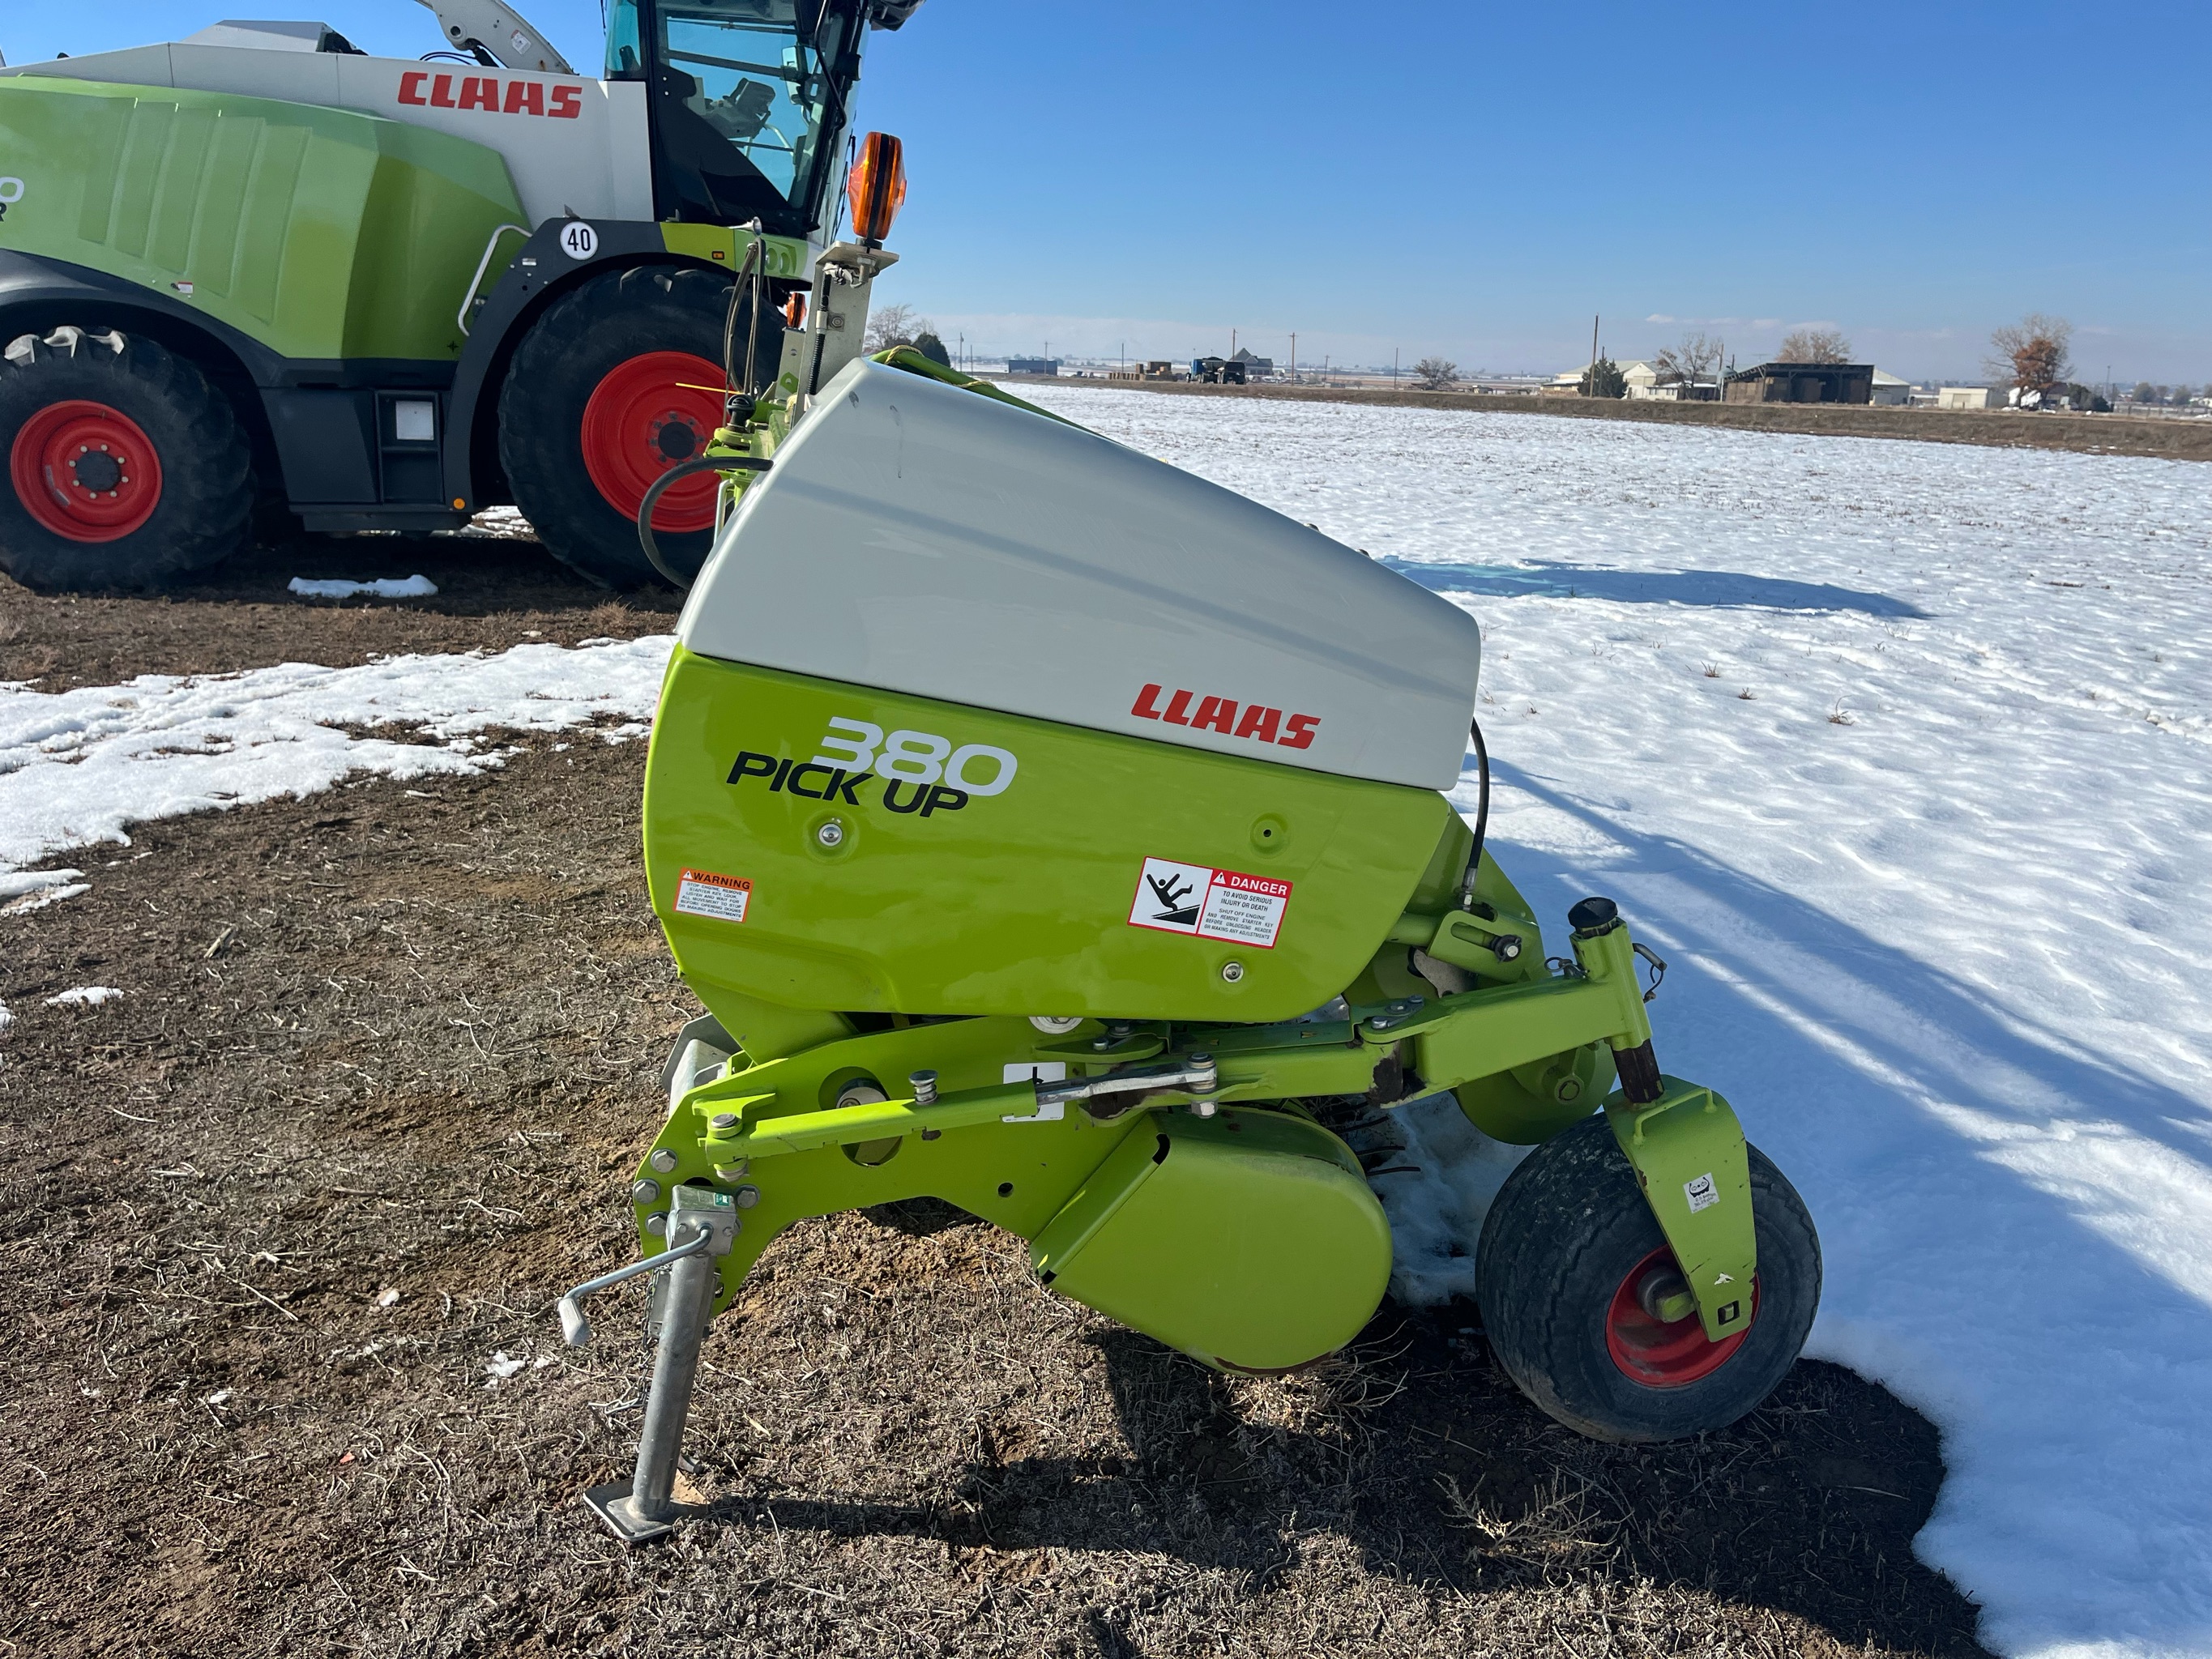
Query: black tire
584, 337
202, 500
1567, 1229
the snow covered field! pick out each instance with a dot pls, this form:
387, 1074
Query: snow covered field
1931, 889
77, 766
1935, 894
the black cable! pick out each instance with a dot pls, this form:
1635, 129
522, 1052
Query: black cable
696, 465
1481, 814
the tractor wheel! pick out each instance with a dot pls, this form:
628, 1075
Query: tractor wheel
125, 467
619, 381
1569, 1253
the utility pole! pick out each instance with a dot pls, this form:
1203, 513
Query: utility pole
1394, 369
1294, 356
1590, 379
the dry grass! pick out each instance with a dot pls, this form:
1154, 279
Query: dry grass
379, 1041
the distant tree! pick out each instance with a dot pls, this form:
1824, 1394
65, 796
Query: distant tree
895, 326
931, 347
1698, 358
2030, 354
1603, 379
1814, 345
1435, 374
2144, 392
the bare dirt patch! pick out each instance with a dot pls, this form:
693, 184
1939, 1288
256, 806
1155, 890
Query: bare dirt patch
493, 592
404, 1040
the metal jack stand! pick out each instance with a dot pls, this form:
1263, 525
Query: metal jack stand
703, 1224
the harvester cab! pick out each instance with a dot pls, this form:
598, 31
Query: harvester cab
257, 274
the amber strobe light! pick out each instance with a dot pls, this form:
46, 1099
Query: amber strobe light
878, 187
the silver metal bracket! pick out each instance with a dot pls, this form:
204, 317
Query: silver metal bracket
703, 1224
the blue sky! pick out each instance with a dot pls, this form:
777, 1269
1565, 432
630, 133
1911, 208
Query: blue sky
1478, 180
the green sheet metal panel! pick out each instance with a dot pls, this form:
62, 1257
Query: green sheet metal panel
1015, 900
321, 233
1249, 1240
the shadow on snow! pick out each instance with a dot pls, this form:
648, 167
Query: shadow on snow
1714, 589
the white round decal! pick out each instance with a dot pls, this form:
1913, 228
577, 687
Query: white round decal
579, 240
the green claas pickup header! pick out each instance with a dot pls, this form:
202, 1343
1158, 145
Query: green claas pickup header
1043, 829
257, 270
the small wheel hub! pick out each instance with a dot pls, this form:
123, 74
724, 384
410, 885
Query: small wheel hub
98, 472
85, 472
1652, 1330
676, 437
645, 415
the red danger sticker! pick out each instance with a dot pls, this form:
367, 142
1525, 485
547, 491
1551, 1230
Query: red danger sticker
1209, 903
702, 893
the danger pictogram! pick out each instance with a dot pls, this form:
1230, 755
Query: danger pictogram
1209, 903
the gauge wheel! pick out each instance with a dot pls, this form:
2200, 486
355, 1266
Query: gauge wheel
1576, 1281
126, 467
619, 381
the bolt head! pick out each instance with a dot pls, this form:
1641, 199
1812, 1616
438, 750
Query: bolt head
723, 1121
644, 1192
747, 1197
657, 1223
661, 1159
1232, 971
832, 833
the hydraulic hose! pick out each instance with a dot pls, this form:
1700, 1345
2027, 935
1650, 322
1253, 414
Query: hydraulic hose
1481, 813
685, 469
736, 400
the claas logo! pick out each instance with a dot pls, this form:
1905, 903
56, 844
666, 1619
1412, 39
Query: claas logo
1258, 722
482, 92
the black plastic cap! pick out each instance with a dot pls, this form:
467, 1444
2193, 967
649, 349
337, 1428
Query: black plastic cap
1593, 915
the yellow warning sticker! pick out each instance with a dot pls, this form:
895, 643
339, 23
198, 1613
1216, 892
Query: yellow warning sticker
702, 893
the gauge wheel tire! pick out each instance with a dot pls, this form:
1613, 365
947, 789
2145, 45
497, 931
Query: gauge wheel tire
126, 467
613, 386
1563, 1249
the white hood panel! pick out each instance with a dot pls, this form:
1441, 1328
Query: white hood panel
915, 537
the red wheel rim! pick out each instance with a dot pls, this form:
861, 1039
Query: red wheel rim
648, 414
85, 472
1664, 1354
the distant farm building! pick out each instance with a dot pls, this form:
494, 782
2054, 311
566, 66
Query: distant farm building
1970, 397
1889, 389
1032, 365
1800, 383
